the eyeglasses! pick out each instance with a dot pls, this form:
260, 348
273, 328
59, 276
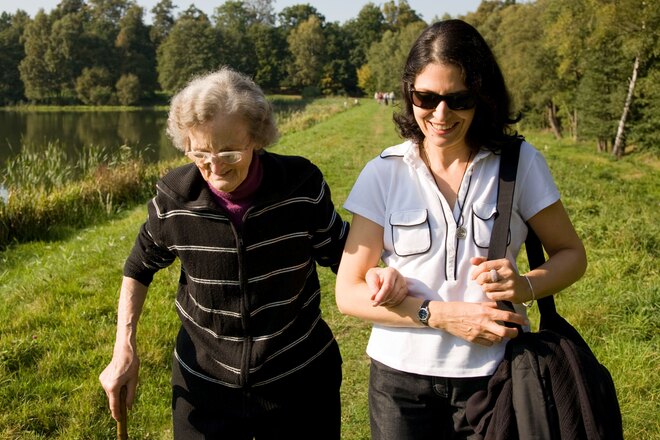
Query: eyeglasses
228, 157
455, 101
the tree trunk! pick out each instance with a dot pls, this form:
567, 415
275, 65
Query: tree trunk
574, 125
572, 117
552, 119
619, 142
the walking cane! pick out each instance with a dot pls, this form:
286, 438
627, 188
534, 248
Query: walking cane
122, 426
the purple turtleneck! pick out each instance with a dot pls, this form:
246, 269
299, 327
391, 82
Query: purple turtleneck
239, 200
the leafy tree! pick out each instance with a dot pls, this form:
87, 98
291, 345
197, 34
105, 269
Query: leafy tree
103, 28
365, 30
11, 54
94, 86
110, 12
289, 19
597, 94
528, 66
570, 49
645, 128
339, 75
646, 42
189, 49
399, 16
262, 10
136, 53
162, 21
366, 80
292, 16
486, 19
37, 79
633, 25
62, 56
128, 89
272, 55
307, 44
66, 7
232, 20
387, 57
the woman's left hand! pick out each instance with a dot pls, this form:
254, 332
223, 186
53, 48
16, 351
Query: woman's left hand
500, 281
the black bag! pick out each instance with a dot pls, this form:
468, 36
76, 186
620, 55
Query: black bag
549, 384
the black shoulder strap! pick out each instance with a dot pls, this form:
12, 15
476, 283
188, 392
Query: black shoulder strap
508, 169
500, 234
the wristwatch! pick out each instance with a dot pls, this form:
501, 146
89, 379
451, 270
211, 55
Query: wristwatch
423, 314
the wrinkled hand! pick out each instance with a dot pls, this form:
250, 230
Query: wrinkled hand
480, 323
507, 285
122, 370
387, 285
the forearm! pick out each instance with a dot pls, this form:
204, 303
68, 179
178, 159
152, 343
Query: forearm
131, 300
567, 260
354, 298
560, 271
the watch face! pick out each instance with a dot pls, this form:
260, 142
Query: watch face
423, 315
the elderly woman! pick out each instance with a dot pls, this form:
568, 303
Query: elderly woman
426, 208
253, 357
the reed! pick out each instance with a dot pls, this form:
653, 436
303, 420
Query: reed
49, 197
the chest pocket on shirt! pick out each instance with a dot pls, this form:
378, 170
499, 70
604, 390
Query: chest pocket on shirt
411, 232
483, 218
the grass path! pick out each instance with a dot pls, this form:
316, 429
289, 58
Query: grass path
58, 301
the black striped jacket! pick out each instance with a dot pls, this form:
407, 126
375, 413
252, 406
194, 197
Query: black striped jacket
249, 299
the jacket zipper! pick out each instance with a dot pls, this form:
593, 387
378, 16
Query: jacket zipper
245, 314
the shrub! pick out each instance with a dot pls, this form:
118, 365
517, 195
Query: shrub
128, 89
94, 86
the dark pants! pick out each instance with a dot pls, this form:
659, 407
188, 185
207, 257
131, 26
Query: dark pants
303, 405
411, 406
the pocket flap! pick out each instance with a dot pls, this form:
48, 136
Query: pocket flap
484, 211
408, 218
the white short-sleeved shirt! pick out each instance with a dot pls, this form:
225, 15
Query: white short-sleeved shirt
396, 190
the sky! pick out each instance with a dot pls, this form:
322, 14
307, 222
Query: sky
333, 10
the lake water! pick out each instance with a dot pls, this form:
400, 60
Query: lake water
143, 130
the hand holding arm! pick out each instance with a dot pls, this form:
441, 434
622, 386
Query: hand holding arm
567, 262
124, 367
388, 286
480, 323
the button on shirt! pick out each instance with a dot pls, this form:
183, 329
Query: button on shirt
423, 239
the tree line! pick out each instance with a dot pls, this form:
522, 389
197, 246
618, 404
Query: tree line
581, 68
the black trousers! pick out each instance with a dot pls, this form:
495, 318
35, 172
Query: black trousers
303, 405
407, 406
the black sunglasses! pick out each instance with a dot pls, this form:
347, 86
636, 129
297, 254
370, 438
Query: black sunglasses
455, 101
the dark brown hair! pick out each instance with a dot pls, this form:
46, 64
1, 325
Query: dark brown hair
458, 43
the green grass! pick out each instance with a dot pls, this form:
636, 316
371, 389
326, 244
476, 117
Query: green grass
58, 301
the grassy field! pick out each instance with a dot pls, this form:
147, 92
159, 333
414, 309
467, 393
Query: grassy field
58, 300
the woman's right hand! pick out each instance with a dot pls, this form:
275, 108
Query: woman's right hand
387, 285
121, 371
125, 364
479, 323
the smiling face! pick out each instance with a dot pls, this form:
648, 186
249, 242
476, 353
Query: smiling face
223, 133
442, 126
